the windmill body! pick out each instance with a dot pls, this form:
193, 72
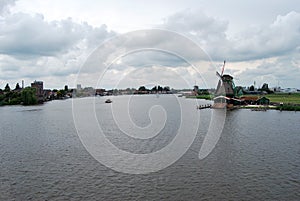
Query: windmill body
225, 90
225, 86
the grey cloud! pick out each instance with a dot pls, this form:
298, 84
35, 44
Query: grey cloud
208, 32
26, 35
27, 39
31, 47
153, 57
145, 47
282, 70
196, 22
279, 38
4, 6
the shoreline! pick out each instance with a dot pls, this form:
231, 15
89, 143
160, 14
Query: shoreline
282, 102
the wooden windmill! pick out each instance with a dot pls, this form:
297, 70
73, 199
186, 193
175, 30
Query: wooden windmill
226, 85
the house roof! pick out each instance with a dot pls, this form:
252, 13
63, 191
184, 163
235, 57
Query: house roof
227, 76
219, 97
249, 98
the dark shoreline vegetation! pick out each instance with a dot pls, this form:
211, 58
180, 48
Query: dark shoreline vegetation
27, 96
288, 107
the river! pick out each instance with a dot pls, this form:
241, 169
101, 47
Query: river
43, 158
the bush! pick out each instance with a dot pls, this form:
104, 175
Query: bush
289, 107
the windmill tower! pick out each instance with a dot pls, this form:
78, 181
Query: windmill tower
226, 85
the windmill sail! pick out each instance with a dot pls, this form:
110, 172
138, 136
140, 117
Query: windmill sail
223, 68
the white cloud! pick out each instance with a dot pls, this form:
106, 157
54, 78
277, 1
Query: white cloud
279, 38
195, 22
32, 48
283, 71
27, 35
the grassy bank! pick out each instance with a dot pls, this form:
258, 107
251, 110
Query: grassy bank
206, 97
289, 107
285, 98
291, 101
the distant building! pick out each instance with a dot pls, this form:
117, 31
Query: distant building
47, 93
255, 100
249, 99
263, 101
100, 92
39, 86
195, 90
289, 90
78, 87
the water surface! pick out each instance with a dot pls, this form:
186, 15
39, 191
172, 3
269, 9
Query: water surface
42, 158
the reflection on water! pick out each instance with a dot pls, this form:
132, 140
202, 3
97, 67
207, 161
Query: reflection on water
42, 158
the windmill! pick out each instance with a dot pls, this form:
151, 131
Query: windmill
225, 85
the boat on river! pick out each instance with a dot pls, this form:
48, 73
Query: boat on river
108, 101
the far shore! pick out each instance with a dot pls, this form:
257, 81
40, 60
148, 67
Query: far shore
278, 101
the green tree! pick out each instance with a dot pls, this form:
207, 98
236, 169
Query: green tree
17, 86
265, 87
2, 99
166, 88
7, 88
154, 88
61, 93
28, 96
142, 88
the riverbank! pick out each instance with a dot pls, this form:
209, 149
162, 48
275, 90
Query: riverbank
278, 101
285, 98
284, 107
284, 101
205, 97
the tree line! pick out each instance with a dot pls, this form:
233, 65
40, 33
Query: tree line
155, 89
26, 96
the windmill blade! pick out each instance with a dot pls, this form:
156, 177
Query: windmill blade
218, 74
223, 68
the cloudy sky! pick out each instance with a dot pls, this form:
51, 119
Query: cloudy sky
55, 41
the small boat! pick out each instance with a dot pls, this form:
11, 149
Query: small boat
108, 101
